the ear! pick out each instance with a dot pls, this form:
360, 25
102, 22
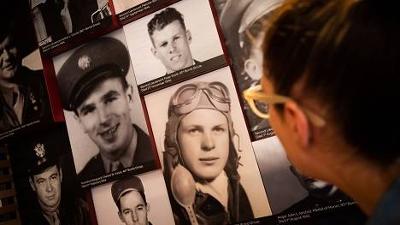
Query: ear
121, 217
189, 36
298, 123
79, 120
251, 68
129, 93
129, 96
32, 184
154, 51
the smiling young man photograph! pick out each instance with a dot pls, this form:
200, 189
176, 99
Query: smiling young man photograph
93, 86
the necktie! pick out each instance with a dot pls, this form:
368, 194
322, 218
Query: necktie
56, 220
116, 166
66, 19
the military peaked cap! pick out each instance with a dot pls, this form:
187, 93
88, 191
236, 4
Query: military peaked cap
95, 61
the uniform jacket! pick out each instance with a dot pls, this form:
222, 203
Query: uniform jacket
32, 86
80, 13
72, 213
95, 167
209, 211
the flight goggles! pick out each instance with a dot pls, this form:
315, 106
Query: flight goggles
188, 97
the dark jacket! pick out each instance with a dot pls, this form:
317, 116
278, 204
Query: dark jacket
70, 213
95, 167
80, 12
209, 211
32, 86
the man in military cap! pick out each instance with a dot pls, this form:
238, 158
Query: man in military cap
128, 195
45, 178
93, 85
23, 95
171, 40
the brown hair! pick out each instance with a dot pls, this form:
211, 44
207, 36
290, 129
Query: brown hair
345, 52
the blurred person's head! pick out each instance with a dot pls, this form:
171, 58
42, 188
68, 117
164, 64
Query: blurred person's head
330, 69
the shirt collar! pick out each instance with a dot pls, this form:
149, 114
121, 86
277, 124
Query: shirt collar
127, 158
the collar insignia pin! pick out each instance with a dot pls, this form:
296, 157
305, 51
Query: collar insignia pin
84, 62
40, 150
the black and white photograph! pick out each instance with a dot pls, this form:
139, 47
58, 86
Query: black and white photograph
206, 150
173, 42
48, 192
56, 21
136, 199
244, 24
24, 99
103, 111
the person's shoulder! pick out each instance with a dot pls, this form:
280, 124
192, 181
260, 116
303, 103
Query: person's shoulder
243, 203
82, 207
74, 211
29, 76
144, 150
93, 168
140, 132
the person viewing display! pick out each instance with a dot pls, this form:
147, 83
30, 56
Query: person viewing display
343, 58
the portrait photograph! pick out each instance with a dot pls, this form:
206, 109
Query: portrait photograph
180, 36
45, 180
201, 136
103, 111
24, 96
131, 10
289, 192
155, 209
243, 25
56, 21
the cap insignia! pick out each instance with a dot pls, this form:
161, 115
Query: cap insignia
84, 62
39, 150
